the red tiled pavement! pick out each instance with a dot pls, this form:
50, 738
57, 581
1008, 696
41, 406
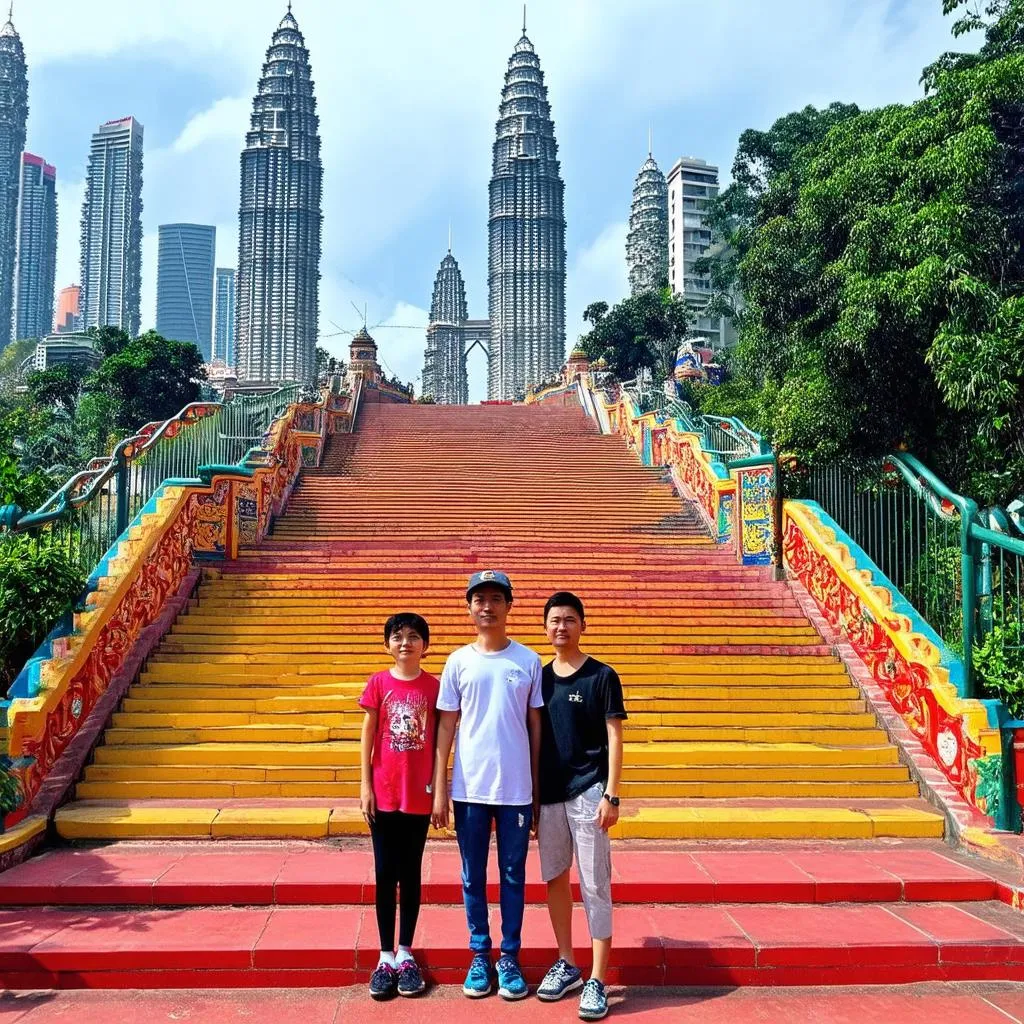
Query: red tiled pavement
971, 1004
741, 944
233, 873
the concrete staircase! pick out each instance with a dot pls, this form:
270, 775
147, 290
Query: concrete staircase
743, 724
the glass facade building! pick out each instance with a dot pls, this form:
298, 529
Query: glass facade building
224, 316
13, 119
184, 284
36, 262
111, 260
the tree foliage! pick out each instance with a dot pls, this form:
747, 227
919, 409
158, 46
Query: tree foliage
643, 331
148, 378
879, 256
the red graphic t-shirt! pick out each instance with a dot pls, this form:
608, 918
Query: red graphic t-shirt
403, 749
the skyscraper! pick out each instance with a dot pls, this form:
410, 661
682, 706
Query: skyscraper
224, 316
69, 310
184, 284
647, 241
692, 184
279, 219
36, 263
526, 228
444, 363
13, 118
111, 260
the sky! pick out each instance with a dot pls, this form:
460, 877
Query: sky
407, 92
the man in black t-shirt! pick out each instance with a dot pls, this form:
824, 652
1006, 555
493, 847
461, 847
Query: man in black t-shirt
580, 769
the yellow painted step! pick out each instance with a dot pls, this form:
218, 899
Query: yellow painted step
334, 753
188, 771
101, 821
202, 790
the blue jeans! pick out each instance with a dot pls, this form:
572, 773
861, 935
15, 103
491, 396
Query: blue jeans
473, 828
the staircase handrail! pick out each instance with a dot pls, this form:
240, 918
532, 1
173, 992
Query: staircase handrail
357, 394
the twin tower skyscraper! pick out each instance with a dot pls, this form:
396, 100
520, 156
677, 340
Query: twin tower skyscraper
525, 331
279, 238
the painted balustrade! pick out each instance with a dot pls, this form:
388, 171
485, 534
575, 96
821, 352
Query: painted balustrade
206, 513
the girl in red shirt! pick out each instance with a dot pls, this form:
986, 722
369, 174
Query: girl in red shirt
397, 755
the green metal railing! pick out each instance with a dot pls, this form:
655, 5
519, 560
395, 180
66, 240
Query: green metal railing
85, 516
961, 569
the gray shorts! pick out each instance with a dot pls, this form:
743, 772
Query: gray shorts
571, 827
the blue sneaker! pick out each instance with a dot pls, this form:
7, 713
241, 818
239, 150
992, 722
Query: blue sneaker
561, 978
593, 1001
511, 983
480, 979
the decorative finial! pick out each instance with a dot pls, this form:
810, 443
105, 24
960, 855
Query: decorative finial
650, 138
10, 12
524, 19
289, 6
449, 238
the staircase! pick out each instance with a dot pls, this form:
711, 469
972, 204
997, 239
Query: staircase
744, 730
244, 723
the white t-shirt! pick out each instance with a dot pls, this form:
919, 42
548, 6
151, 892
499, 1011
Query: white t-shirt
492, 751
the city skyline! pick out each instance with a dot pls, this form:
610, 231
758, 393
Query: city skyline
383, 224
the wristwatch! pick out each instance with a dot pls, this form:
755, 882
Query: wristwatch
613, 800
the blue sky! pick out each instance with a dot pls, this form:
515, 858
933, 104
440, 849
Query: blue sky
407, 92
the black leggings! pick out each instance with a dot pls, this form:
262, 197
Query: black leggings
398, 841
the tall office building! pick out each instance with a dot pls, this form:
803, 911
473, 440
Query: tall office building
184, 284
692, 184
68, 317
444, 363
36, 264
111, 260
279, 220
647, 241
224, 316
526, 228
13, 118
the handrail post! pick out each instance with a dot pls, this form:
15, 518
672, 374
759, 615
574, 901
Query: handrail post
122, 490
968, 594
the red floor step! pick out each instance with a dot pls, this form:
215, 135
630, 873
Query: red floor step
664, 944
972, 1004
223, 874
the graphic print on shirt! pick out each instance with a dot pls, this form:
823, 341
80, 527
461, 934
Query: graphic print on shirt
407, 721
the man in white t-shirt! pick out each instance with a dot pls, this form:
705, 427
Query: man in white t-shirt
494, 684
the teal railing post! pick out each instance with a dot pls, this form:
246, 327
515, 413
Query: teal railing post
122, 489
968, 595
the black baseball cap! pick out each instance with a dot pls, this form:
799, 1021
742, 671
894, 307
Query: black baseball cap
489, 577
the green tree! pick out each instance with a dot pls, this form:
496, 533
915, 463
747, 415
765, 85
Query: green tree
643, 331
883, 279
150, 378
59, 386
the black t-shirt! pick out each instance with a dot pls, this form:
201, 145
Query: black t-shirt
574, 737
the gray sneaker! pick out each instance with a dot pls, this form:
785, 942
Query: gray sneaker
562, 977
593, 1001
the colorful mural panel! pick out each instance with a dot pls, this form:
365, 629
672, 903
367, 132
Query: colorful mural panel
904, 663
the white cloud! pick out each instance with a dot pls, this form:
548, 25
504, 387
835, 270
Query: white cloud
226, 119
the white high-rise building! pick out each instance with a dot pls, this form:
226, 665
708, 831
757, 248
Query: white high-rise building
692, 184
111, 260
36, 263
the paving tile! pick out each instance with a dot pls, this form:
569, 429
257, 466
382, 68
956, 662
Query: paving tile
312, 937
847, 876
962, 937
326, 876
753, 876
215, 878
701, 937
819, 936
930, 876
22, 930
150, 939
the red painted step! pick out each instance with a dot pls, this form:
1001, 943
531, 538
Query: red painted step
220, 874
974, 1004
729, 944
